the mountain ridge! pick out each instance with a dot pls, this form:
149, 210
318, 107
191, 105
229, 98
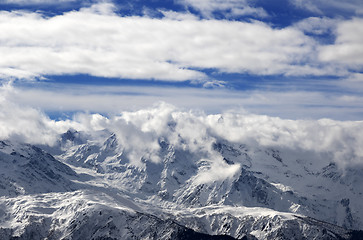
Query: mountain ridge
245, 201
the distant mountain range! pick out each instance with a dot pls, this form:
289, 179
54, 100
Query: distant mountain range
90, 186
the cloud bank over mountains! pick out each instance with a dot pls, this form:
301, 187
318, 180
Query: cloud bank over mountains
140, 132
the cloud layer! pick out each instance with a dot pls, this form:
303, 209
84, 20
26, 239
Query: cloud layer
274, 101
98, 42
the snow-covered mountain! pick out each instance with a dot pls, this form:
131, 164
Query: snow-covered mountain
94, 185
26, 169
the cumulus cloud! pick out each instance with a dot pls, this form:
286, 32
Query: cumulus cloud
27, 124
98, 42
140, 132
323, 135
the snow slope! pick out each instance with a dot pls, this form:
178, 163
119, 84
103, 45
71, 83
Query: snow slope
26, 169
297, 182
91, 187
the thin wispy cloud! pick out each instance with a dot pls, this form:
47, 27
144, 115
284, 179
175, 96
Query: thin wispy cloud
110, 100
332, 8
34, 2
229, 8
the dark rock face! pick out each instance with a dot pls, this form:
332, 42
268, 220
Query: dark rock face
356, 235
190, 234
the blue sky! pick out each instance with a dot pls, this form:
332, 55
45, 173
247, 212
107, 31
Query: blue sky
287, 58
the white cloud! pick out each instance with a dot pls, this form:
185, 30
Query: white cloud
317, 25
308, 5
172, 15
35, 2
109, 100
90, 41
27, 124
216, 170
342, 140
347, 48
98, 42
331, 7
139, 132
230, 8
